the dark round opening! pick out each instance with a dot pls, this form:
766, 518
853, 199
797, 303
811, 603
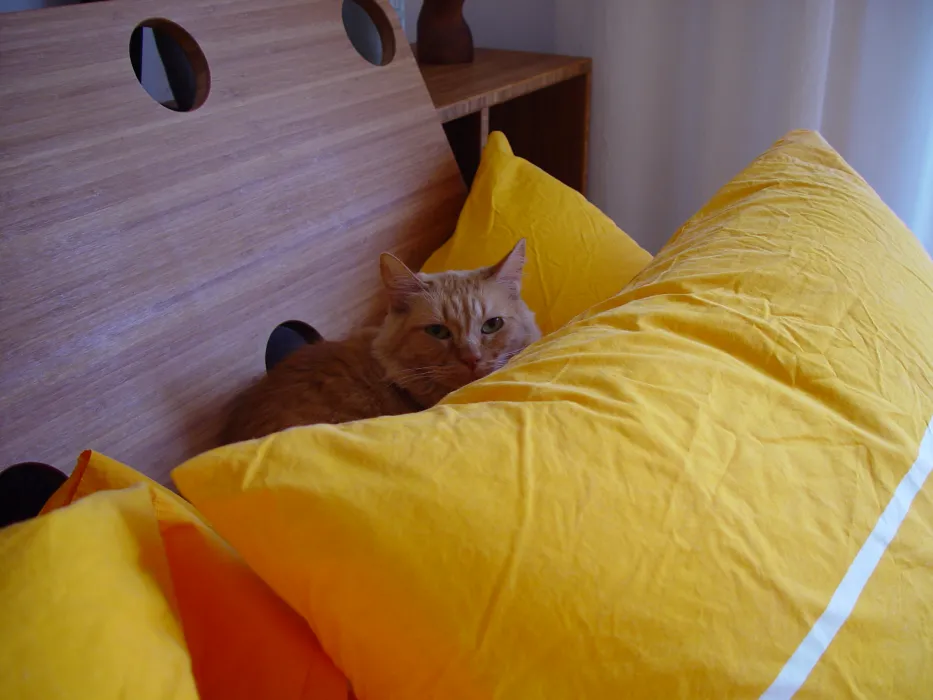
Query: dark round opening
24, 489
286, 338
369, 30
169, 65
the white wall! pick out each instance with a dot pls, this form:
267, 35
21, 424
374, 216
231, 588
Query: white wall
685, 94
523, 25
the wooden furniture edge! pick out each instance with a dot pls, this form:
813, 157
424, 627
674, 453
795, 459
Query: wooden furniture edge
574, 67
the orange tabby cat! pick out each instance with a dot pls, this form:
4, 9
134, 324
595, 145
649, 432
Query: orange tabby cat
441, 332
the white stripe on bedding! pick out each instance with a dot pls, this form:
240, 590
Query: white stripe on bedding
801, 663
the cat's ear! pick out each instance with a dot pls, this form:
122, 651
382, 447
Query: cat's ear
508, 271
400, 282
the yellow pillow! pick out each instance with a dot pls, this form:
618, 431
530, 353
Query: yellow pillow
244, 641
87, 607
577, 256
708, 487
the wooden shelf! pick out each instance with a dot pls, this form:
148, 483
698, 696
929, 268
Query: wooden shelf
540, 101
495, 77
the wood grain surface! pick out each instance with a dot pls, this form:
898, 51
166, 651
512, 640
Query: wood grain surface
496, 76
146, 255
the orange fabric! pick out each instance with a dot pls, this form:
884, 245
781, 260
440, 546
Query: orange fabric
87, 606
244, 641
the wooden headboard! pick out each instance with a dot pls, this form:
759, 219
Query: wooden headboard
147, 254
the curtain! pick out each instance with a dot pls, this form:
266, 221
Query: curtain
687, 92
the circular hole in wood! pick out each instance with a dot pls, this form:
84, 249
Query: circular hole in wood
286, 338
369, 30
24, 489
169, 65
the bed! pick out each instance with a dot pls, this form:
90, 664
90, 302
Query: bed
708, 479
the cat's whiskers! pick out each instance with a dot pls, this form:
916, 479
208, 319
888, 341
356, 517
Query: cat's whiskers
426, 370
504, 358
413, 377
423, 377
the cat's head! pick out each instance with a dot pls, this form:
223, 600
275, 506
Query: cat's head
444, 330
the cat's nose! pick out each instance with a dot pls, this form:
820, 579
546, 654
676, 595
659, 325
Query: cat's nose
470, 359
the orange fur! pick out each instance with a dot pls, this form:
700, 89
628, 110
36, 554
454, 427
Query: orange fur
407, 363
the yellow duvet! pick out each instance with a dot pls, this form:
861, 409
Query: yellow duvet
713, 485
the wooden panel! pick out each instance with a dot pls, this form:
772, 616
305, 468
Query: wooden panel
146, 255
550, 127
494, 77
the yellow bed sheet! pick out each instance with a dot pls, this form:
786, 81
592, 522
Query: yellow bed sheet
711, 485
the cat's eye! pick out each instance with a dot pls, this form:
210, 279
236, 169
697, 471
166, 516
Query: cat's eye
436, 330
493, 325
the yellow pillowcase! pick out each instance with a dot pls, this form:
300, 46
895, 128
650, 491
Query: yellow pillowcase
577, 256
690, 492
87, 607
244, 641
